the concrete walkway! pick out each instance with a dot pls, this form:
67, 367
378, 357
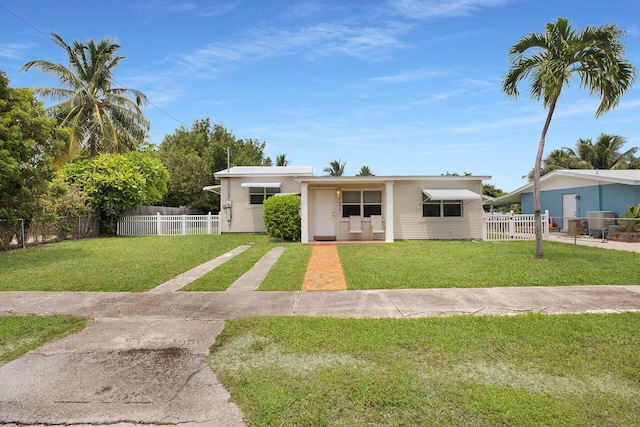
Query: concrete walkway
141, 361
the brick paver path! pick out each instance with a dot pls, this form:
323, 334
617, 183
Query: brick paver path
324, 272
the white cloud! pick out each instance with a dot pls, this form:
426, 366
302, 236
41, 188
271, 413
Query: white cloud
311, 42
409, 76
13, 50
419, 9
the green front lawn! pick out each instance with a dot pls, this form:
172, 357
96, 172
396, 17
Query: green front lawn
561, 370
467, 264
140, 263
114, 264
21, 334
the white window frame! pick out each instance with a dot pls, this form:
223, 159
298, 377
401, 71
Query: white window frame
441, 204
361, 203
264, 193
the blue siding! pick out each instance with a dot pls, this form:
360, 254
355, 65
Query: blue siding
609, 197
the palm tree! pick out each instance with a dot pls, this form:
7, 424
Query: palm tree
557, 159
335, 168
550, 60
604, 154
101, 116
365, 171
281, 160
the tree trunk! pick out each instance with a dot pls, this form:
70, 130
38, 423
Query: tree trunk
92, 145
537, 220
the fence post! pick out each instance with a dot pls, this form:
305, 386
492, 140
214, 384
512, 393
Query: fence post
209, 220
512, 226
24, 244
184, 224
158, 225
484, 226
545, 228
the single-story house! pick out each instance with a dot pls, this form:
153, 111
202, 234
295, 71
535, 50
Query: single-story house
572, 193
349, 208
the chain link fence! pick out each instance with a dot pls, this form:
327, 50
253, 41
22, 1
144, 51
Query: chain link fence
20, 233
606, 232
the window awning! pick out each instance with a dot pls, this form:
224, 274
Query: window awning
261, 184
212, 188
450, 194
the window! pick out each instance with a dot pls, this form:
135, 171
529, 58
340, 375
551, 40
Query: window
441, 208
257, 195
361, 203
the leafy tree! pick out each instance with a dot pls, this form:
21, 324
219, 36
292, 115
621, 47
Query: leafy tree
491, 190
115, 183
365, 171
104, 117
193, 155
281, 160
28, 141
335, 168
551, 60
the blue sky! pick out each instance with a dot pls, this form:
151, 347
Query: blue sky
406, 87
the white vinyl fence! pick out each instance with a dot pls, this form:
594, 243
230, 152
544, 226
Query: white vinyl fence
510, 226
168, 225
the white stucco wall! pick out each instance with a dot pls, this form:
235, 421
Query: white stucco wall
245, 217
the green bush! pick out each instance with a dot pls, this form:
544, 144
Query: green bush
282, 217
630, 220
115, 183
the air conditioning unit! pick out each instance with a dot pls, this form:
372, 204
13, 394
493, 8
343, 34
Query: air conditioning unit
600, 220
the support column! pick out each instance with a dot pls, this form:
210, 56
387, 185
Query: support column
388, 234
304, 212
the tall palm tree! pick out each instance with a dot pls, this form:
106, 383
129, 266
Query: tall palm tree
365, 171
551, 60
101, 116
281, 160
606, 153
335, 168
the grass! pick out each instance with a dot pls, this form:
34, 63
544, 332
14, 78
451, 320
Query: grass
116, 264
288, 273
464, 264
138, 264
224, 275
457, 371
19, 335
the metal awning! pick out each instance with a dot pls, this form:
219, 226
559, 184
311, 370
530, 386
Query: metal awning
450, 194
212, 188
261, 184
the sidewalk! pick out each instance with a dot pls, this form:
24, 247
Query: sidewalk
141, 362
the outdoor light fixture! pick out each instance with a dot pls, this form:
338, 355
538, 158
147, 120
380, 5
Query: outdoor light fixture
338, 191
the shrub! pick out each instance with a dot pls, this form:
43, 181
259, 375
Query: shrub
631, 219
281, 217
115, 183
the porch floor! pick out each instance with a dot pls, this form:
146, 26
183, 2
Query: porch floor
342, 242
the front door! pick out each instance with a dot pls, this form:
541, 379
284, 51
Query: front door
324, 227
569, 209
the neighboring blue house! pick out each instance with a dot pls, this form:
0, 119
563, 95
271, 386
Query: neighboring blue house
572, 193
